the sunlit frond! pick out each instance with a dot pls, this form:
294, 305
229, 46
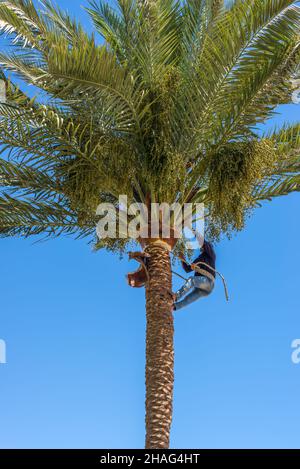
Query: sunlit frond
285, 175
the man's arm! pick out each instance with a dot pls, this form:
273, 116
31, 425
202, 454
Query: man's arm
186, 267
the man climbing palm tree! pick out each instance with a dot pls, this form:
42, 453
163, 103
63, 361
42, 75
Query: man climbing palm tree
165, 108
203, 282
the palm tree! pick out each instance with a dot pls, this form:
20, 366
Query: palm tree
165, 107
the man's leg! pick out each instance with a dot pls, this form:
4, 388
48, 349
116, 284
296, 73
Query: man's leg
190, 298
204, 283
186, 287
202, 287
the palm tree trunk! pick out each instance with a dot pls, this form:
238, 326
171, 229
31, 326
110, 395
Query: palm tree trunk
159, 348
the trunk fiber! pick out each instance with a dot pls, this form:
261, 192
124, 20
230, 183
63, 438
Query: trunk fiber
159, 348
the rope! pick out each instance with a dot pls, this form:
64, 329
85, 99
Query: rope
141, 262
197, 269
178, 275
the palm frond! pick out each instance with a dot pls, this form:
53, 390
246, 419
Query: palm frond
20, 19
264, 66
145, 35
285, 175
25, 179
287, 141
27, 217
74, 68
118, 28
241, 51
272, 188
59, 23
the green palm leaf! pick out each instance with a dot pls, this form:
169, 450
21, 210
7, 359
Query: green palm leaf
285, 175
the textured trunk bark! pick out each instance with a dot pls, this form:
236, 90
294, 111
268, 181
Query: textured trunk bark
159, 348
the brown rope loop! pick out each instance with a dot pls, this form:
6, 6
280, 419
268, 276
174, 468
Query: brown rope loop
199, 270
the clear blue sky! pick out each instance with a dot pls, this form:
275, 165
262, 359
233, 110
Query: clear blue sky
75, 335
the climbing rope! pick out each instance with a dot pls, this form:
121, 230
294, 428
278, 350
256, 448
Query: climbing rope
143, 265
201, 271
178, 275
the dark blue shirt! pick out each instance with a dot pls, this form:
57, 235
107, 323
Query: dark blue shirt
208, 256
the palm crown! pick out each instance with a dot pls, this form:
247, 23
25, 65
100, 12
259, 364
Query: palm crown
166, 109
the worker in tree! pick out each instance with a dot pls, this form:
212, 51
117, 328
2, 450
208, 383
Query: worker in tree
203, 282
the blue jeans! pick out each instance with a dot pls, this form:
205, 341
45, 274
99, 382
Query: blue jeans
200, 285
